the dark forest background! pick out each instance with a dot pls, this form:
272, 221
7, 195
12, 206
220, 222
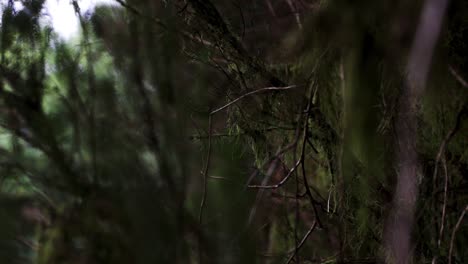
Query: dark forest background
235, 131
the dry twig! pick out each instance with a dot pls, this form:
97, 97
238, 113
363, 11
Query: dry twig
296, 250
455, 229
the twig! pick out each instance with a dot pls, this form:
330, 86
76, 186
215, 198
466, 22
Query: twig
205, 185
218, 178
458, 77
270, 8
205, 172
448, 137
194, 137
271, 169
252, 93
295, 12
304, 175
444, 207
302, 242
343, 128
455, 229
278, 154
311, 145
296, 207
283, 181
270, 160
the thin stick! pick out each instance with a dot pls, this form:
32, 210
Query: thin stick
205, 186
205, 172
445, 142
220, 135
458, 77
444, 207
251, 93
304, 175
291, 146
302, 242
454, 232
283, 181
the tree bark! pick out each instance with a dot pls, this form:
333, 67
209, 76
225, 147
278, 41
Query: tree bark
400, 222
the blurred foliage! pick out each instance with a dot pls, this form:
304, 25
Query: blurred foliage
112, 150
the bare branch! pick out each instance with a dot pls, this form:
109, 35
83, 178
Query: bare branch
455, 229
304, 174
283, 181
252, 93
458, 77
311, 229
448, 137
444, 206
205, 172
